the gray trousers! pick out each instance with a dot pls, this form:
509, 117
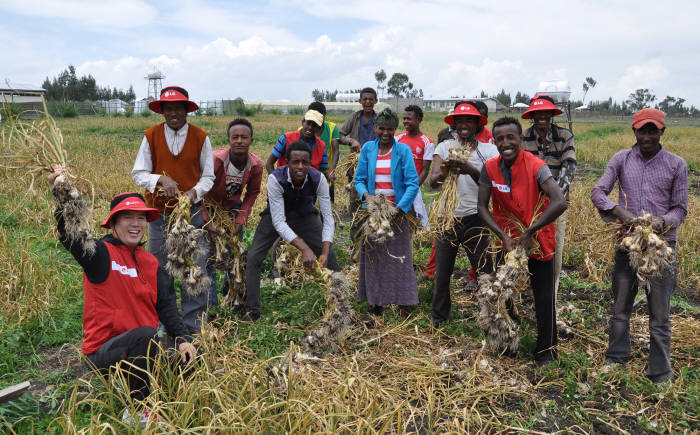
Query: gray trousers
193, 308
308, 227
624, 288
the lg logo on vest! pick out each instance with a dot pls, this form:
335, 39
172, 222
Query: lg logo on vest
501, 187
123, 269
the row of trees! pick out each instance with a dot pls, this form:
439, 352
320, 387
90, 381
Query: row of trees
398, 86
67, 86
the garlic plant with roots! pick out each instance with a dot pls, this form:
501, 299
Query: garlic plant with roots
339, 313
185, 252
36, 147
374, 222
229, 252
442, 212
649, 254
76, 214
495, 290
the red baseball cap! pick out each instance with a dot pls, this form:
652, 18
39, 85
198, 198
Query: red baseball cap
132, 202
645, 116
539, 104
172, 93
466, 109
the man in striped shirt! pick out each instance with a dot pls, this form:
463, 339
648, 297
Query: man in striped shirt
554, 145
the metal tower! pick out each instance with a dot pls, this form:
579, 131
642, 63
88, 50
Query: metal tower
155, 83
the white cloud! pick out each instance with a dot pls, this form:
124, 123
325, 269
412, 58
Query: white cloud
273, 50
108, 13
647, 75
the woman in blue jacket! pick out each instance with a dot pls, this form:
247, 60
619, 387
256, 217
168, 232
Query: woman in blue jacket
386, 167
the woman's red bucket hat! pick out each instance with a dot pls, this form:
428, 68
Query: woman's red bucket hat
466, 109
129, 202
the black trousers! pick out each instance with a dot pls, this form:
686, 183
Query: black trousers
138, 347
471, 232
542, 282
309, 228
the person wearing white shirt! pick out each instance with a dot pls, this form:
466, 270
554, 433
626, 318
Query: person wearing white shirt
469, 230
175, 157
292, 191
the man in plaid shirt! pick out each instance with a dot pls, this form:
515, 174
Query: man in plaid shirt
554, 145
655, 181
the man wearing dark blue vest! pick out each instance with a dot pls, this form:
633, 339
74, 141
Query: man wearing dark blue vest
292, 191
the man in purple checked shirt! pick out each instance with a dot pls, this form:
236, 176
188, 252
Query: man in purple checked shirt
655, 181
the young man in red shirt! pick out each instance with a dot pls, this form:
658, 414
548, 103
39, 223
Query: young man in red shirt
237, 170
515, 182
422, 148
311, 129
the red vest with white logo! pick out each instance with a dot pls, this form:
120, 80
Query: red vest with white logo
520, 199
124, 301
316, 153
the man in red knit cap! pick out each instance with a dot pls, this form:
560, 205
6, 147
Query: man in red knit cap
175, 157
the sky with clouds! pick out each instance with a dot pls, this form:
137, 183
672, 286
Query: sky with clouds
283, 49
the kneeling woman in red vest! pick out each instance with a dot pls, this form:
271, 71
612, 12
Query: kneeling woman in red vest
124, 298
515, 182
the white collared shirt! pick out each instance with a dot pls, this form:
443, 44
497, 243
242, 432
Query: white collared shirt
143, 175
275, 196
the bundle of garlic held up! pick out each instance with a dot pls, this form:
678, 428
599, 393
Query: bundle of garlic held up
510, 278
649, 254
36, 147
229, 252
374, 221
495, 290
442, 212
185, 253
76, 213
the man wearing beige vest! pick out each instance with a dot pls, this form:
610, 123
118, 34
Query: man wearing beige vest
175, 157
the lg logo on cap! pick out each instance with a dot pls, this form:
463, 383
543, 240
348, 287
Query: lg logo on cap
169, 93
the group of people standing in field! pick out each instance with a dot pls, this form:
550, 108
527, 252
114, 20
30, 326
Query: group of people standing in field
510, 173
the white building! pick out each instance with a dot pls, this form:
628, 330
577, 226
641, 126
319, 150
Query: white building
447, 104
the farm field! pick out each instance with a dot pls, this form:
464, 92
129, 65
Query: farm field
391, 374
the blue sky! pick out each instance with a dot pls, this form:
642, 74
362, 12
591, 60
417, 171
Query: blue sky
274, 50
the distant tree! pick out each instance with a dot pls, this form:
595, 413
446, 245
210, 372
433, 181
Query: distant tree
67, 86
521, 97
588, 84
317, 95
674, 106
398, 84
503, 98
640, 99
483, 94
380, 76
